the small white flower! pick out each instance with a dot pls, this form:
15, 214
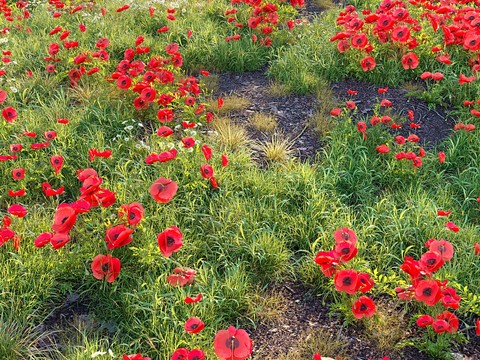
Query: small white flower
14, 89
128, 128
98, 353
126, 138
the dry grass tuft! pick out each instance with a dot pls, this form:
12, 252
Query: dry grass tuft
230, 104
263, 122
278, 89
277, 149
231, 135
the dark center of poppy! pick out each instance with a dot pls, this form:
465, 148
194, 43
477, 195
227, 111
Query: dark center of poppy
345, 236
115, 237
19, 173
431, 261
347, 281
363, 307
131, 216
193, 326
345, 251
105, 268
64, 219
385, 22
441, 249
472, 42
170, 241
232, 343
400, 33
427, 292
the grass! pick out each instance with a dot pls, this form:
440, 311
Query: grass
258, 229
263, 122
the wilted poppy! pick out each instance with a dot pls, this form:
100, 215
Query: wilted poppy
170, 241
452, 226
104, 266
190, 300
182, 277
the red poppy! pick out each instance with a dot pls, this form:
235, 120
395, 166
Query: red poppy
49, 191
165, 115
43, 239
180, 354
431, 261
57, 162
170, 241
50, 135
59, 240
163, 190
16, 148
363, 307
17, 210
118, 236
164, 131
214, 183
64, 219
317, 356
190, 300
440, 326
401, 33
413, 138
383, 149
476, 246
424, 320
451, 320
20, 192
194, 325
346, 280
350, 105
443, 247
450, 298
451, 226
409, 61
464, 79
196, 354
428, 291
385, 103
359, 40
188, 142
182, 277
207, 152
441, 157
445, 59
345, 234
105, 267
232, 344
9, 114
207, 171
437, 76
335, 112
345, 251
18, 174
365, 282
224, 160
133, 213
477, 327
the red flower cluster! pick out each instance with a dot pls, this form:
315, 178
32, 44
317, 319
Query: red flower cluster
347, 280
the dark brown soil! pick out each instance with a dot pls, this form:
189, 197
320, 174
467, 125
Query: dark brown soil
292, 111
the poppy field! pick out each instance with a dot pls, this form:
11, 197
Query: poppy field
142, 217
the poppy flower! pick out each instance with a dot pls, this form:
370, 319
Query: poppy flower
431, 261
170, 241
164, 131
224, 160
440, 326
207, 171
207, 152
317, 356
345, 234
450, 298
345, 251
335, 112
190, 300
59, 240
18, 174
20, 192
9, 114
365, 282
346, 280
118, 236
64, 219
43, 239
477, 327
165, 115
163, 190
451, 226
383, 149
441, 157
16, 148
424, 320
401, 34
437, 76
368, 63
351, 105
464, 79
49, 191
57, 162
105, 267
194, 325
443, 247
133, 212
409, 61
428, 291
17, 210
451, 320
182, 277
426, 75
214, 183
188, 142
180, 354
413, 138
196, 354
385, 103
359, 41
50, 135
232, 344
135, 357
477, 248
363, 307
